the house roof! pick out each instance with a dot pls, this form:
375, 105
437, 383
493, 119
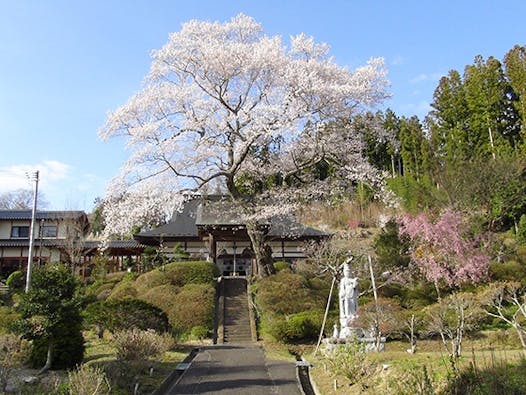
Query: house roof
182, 224
213, 211
39, 215
25, 242
117, 244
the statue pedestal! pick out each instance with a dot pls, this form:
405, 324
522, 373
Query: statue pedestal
354, 335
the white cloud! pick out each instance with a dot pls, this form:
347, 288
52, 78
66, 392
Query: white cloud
16, 176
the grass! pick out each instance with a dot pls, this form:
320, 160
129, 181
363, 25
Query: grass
397, 372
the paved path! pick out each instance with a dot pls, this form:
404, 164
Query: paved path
237, 370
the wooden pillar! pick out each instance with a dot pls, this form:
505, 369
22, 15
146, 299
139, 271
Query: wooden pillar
212, 247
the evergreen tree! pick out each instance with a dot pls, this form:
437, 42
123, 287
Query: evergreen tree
51, 318
492, 117
448, 121
515, 67
414, 147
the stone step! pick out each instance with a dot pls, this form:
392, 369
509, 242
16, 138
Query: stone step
236, 326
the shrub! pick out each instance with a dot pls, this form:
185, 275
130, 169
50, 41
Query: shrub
138, 346
199, 332
88, 380
16, 280
51, 317
198, 272
68, 347
123, 290
134, 313
289, 293
193, 306
7, 318
281, 265
163, 297
299, 327
414, 381
151, 280
350, 361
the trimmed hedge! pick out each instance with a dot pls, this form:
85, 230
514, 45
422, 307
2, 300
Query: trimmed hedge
299, 327
193, 306
116, 315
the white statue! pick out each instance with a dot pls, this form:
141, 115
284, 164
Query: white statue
335, 332
348, 297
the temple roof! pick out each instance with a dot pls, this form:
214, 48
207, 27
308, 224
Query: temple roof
213, 212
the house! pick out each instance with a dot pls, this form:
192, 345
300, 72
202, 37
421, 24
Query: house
211, 228
55, 235
58, 236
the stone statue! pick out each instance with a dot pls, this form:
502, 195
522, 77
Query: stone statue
348, 297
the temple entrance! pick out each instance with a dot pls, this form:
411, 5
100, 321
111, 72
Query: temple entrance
231, 263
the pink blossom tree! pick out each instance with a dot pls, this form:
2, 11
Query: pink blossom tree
225, 107
442, 250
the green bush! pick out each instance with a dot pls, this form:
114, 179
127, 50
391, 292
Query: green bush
116, 315
123, 290
193, 272
194, 305
163, 297
7, 318
199, 332
16, 280
299, 327
289, 293
151, 280
281, 265
68, 346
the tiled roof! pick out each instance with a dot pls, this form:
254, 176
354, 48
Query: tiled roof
26, 214
216, 212
25, 242
181, 225
114, 244
89, 244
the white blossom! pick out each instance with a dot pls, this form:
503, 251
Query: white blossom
217, 93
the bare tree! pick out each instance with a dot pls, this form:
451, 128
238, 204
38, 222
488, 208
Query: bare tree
21, 199
451, 317
74, 231
507, 302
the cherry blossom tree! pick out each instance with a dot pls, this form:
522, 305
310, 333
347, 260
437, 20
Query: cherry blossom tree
442, 249
226, 106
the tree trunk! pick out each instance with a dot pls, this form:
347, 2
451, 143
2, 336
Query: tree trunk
262, 251
522, 335
438, 290
412, 335
49, 358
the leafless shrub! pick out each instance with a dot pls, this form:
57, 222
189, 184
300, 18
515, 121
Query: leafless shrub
88, 380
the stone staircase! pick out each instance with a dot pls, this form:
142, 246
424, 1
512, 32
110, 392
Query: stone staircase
236, 324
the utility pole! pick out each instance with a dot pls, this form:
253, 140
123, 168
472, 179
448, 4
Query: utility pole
32, 177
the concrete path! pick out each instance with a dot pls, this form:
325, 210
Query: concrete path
237, 370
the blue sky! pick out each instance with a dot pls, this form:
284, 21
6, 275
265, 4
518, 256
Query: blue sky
64, 64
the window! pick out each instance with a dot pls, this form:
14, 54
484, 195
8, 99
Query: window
20, 232
49, 231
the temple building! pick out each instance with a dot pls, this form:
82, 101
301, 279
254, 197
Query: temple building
212, 228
